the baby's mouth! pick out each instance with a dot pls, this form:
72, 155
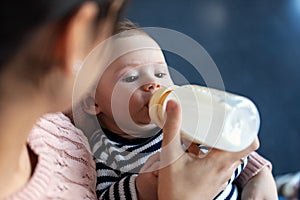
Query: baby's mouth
147, 107
147, 103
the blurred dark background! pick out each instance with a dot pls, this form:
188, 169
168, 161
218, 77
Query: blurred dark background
256, 46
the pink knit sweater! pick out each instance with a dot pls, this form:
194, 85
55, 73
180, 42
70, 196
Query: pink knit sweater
65, 168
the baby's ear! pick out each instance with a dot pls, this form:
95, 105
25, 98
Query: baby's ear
90, 106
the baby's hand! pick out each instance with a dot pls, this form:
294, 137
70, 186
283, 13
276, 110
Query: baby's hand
262, 186
146, 182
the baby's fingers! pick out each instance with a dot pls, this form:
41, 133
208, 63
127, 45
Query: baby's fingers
152, 164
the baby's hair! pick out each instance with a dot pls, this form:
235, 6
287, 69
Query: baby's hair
127, 28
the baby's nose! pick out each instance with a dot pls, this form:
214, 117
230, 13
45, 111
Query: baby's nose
151, 87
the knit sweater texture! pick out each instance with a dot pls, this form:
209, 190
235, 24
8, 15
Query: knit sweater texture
65, 167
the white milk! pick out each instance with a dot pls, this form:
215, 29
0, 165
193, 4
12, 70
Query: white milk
210, 117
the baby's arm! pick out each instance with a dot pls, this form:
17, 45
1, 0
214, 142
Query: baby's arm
147, 180
112, 185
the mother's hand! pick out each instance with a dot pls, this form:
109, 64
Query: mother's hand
188, 176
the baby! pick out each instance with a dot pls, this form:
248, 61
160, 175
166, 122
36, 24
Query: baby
127, 142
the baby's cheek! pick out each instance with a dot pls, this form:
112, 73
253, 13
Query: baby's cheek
134, 102
123, 93
120, 99
167, 82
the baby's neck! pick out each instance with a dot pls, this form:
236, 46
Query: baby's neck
123, 135
133, 140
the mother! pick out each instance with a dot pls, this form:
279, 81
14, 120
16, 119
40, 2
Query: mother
40, 42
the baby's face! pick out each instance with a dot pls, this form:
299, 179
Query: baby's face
125, 89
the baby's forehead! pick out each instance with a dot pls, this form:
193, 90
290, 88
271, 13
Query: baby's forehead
134, 50
122, 45
140, 58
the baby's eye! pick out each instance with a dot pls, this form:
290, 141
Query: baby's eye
160, 75
130, 79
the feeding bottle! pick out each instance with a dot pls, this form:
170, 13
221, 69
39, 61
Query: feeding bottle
211, 117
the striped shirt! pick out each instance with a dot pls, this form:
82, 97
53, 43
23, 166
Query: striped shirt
119, 160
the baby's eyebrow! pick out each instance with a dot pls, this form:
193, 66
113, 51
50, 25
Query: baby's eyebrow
119, 73
136, 64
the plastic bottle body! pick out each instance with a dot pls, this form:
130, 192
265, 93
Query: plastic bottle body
211, 117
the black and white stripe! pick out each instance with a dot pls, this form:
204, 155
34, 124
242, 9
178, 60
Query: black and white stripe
118, 161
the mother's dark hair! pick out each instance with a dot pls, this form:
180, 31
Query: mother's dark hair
22, 22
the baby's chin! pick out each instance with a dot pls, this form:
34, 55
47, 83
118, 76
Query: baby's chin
143, 119
144, 122
145, 125
144, 131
